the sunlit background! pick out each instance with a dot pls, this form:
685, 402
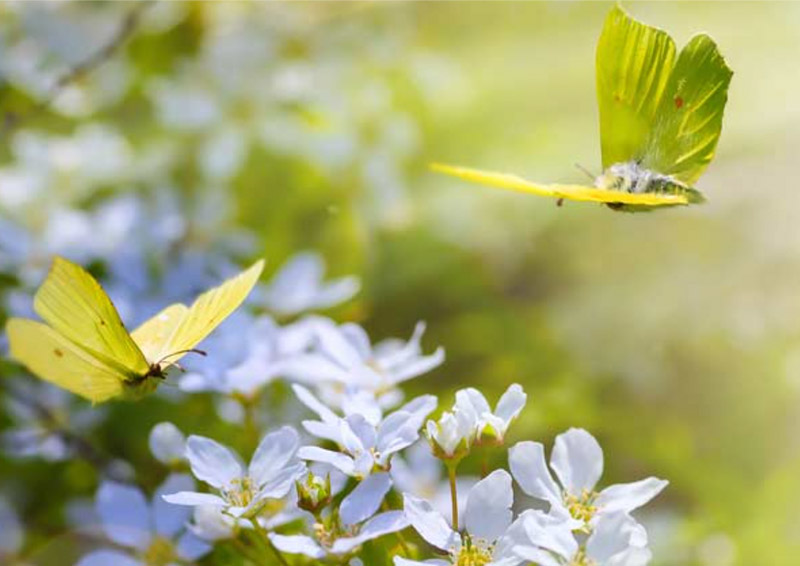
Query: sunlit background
239, 130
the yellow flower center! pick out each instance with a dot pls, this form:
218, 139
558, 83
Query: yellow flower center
242, 492
581, 507
474, 552
160, 553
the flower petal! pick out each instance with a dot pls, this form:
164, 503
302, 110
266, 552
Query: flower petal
167, 443
212, 462
297, 544
191, 547
629, 496
193, 498
336, 459
379, 525
613, 534
527, 463
125, 514
429, 523
511, 403
488, 512
309, 400
274, 452
105, 557
577, 460
399, 430
168, 519
362, 503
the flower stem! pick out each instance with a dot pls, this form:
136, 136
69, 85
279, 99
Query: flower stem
451, 474
265, 537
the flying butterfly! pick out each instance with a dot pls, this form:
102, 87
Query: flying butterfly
85, 348
660, 120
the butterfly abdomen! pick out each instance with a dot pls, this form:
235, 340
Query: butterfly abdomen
631, 177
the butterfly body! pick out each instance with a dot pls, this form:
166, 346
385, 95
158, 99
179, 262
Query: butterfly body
83, 346
630, 177
660, 120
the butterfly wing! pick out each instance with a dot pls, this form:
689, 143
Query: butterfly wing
54, 358
155, 332
634, 61
194, 323
689, 116
569, 192
74, 304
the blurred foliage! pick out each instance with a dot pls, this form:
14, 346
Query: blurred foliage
671, 336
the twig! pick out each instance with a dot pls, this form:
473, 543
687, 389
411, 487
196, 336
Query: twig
129, 23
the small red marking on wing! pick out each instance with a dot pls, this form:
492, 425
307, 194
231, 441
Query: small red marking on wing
678, 102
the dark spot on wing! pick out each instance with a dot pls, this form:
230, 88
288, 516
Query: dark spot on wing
58, 353
102, 323
678, 102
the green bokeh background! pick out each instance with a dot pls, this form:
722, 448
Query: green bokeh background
674, 336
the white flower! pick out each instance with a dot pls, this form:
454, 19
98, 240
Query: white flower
324, 544
11, 533
242, 493
492, 425
417, 472
577, 460
45, 420
299, 287
246, 353
489, 535
617, 540
167, 444
151, 532
366, 448
345, 356
453, 434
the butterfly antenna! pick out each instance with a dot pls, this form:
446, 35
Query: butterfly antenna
585, 170
179, 352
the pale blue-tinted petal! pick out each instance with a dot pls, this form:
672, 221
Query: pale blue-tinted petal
297, 544
108, 557
488, 512
324, 431
511, 403
613, 534
274, 452
11, 533
364, 432
212, 462
420, 407
191, 547
168, 519
309, 400
358, 401
379, 525
282, 482
362, 503
167, 443
337, 345
400, 561
193, 498
528, 466
358, 339
551, 532
125, 514
211, 523
429, 523
335, 459
577, 460
418, 366
629, 496
399, 430
337, 291
474, 399
632, 556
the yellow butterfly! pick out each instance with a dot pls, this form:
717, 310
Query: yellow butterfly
660, 120
85, 348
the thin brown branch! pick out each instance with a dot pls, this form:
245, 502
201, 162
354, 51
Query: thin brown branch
126, 28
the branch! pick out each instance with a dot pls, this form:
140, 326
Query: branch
128, 26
